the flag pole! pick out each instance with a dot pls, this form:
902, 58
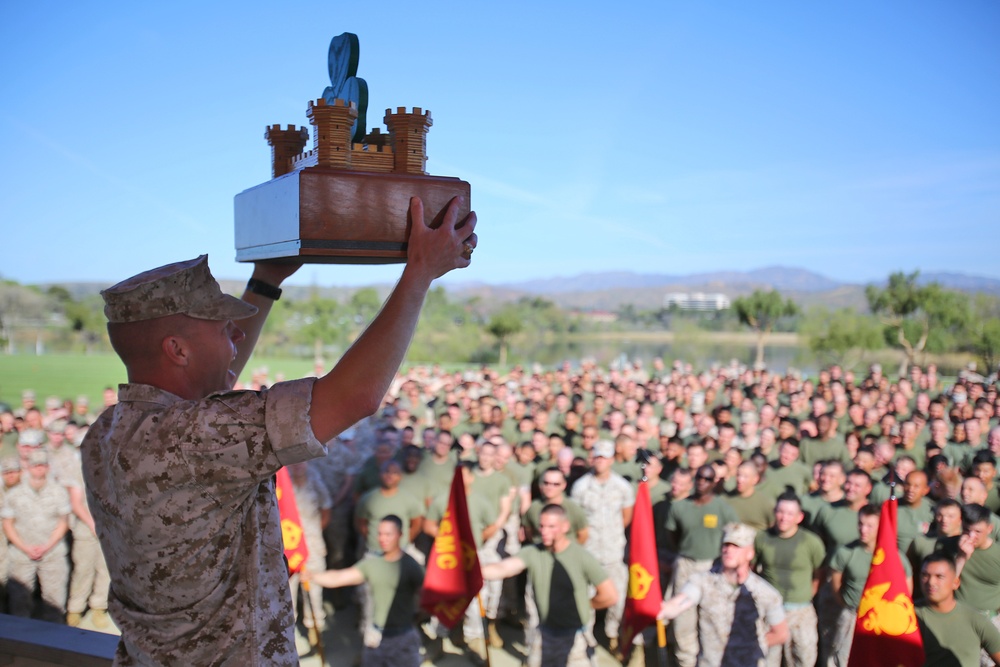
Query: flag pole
661, 642
486, 629
315, 638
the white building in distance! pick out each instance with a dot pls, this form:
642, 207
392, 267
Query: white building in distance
696, 301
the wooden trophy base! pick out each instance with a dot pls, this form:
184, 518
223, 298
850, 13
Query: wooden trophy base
322, 215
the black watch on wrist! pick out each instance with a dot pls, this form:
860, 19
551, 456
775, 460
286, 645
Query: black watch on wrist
266, 290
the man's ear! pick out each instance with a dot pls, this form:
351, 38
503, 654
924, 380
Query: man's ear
176, 350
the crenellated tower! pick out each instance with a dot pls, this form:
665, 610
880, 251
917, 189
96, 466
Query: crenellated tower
408, 136
332, 132
285, 145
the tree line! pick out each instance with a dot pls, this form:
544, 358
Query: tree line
904, 314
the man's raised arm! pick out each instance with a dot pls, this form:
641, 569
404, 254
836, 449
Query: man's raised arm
354, 388
266, 275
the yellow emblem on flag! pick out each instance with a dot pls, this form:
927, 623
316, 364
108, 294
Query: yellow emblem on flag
878, 557
889, 617
639, 581
291, 533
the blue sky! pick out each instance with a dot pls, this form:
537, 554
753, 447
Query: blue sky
851, 138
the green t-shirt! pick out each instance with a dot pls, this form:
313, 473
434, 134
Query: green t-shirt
699, 527
913, 521
630, 470
837, 524
925, 545
368, 477
833, 449
493, 487
918, 454
373, 507
811, 505
395, 586
757, 511
855, 562
794, 475
954, 639
788, 563
960, 454
416, 485
521, 474
481, 514
577, 518
438, 475
980, 588
561, 583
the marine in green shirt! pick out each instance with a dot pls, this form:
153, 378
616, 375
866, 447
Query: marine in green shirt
695, 524
562, 574
395, 579
788, 470
753, 508
552, 486
788, 556
954, 634
979, 561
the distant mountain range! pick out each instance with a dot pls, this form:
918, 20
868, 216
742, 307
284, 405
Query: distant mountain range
610, 290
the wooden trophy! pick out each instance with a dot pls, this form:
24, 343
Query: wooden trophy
346, 201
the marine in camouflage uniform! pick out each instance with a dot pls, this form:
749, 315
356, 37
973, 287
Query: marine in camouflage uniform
35, 517
740, 616
89, 582
179, 473
607, 499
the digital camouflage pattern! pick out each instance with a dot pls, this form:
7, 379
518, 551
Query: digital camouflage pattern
182, 287
183, 498
733, 620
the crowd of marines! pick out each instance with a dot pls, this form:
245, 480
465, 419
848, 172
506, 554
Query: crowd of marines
802, 463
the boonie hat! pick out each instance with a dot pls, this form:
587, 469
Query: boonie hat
739, 534
180, 288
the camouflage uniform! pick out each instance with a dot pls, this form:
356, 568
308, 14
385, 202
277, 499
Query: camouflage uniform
182, 493
35, 515
725, 610
336, 470
89, 582
311, 499
603, 502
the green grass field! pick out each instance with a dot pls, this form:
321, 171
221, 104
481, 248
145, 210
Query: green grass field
72, 375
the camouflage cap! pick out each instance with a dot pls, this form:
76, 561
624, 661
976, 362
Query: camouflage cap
38, 458
31, 437
739, 534
180, 288
57, 426
605, 449
10, 464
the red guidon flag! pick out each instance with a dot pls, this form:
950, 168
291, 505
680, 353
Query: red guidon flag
291, 526
453, 576
886, 632
643, 599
